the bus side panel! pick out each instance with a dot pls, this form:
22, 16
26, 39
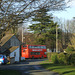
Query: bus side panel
36, 55
45, 56
34, 52
29, 52
26, 53
45, 53
41, 54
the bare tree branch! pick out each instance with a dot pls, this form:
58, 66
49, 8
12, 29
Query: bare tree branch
14, 12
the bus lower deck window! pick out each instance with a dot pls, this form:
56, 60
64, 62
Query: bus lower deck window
35, 53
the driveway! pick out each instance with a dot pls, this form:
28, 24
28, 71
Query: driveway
29, 67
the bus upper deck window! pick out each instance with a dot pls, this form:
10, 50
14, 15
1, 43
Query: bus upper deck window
30, 47
43, 47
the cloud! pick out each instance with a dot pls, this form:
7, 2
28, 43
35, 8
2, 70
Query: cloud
72, 3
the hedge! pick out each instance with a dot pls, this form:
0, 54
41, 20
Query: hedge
61, 58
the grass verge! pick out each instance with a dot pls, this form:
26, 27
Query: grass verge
61, 69
9, 72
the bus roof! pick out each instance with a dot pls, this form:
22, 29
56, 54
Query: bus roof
36, 45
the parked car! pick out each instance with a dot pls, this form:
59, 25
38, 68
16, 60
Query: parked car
3, 59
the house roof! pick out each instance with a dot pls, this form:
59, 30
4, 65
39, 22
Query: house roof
5, 39
13, 48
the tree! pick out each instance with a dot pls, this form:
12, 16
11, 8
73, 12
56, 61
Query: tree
71, 33
68, 33
72, 26
45, 28
15, 12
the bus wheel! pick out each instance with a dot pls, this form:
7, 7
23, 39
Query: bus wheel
32, 57
42, 57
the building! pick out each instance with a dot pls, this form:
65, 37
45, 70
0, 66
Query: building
15, 53
10, 46
8, 41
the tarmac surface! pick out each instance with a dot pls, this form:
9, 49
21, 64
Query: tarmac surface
29, 67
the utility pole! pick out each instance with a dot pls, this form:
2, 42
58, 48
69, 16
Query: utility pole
56, 38
22, 34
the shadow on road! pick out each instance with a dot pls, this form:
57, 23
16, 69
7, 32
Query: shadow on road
29, 67
34, 60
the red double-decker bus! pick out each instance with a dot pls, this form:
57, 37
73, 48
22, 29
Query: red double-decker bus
33, 51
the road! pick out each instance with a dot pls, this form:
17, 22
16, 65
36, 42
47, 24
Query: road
29, 67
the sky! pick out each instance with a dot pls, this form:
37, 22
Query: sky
69, 13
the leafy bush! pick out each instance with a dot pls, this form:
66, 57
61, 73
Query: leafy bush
72, 59
62, 59
49, 56
54, 58
69, 49
67, 56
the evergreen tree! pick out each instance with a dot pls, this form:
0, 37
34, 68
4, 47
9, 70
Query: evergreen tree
45, 22
45, 28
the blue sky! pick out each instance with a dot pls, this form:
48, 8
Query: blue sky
69, 13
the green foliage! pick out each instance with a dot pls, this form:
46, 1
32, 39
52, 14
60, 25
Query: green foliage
45, 28
62, 58
68, 59
41, 41
72, 59
49, 56
59, 68
69, 49
54, 58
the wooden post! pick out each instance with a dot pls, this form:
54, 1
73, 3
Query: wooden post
22, 34
56, 39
